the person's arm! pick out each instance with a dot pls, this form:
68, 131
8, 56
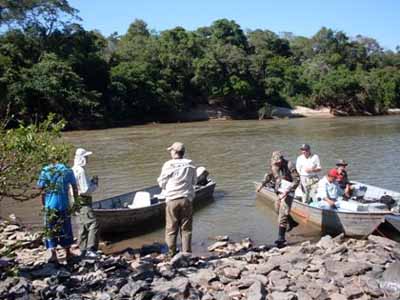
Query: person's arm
267, 178
295, 177
194, 177
317, 166
298, 165
163, 178
41, 184
74, 191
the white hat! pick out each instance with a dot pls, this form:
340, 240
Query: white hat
200, 170
82, 152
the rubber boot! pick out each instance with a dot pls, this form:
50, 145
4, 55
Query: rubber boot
291, 223
281, 241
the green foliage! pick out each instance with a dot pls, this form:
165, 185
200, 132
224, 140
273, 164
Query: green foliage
49, 64
23, 153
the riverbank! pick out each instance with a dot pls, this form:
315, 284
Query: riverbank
333, 268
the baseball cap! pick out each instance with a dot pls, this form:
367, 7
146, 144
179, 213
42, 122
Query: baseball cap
305, 147
82, 152
332, 173
177, 146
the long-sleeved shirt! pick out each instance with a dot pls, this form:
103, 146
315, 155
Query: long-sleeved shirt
85, 186
327, 189
285, 171
177, 178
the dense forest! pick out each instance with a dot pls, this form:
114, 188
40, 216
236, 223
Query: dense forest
50, 64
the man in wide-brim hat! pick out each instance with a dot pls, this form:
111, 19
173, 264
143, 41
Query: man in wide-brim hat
342, 179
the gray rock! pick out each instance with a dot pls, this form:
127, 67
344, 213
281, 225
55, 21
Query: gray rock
203, 277
46, 270
176, 288
266, 268
256, 291
103, 296
217, 245
382, 241
276, 275
392, 273
282, 296
261, 278
353, 292
326, 242
181, 260
371, 286
302, 294
5, 286
337, 296
232, 273
132, 288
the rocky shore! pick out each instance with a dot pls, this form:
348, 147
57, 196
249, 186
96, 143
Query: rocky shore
333, 268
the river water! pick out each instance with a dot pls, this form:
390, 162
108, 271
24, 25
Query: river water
236, 153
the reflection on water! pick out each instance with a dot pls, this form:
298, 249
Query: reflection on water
237, 154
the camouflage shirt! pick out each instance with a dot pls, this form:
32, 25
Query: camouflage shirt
287, 171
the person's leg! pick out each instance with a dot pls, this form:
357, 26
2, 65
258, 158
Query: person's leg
171, 226
282, 221
303, 183
83, 230
186, 225
93, 229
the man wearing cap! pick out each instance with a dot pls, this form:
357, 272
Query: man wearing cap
177, 178
342, 179
282, 169
88, 227
328, 191
308, 166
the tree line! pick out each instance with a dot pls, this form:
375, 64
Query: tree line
51, 64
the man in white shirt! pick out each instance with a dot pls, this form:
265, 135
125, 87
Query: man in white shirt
88, 227
328, 191
177, 179
308, 166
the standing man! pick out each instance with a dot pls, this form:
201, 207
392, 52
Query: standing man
88, 227
177, 178
54, 181
282, 169
308, 166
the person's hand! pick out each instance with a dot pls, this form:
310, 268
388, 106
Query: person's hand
309, 170
283, 195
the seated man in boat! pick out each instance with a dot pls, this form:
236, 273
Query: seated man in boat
177, 178
282, 169
328, 191
341, 178
202, 174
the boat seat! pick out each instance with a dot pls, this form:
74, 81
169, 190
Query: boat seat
141, 199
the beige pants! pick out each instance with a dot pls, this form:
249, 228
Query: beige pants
309, 186
282, 208
178, 217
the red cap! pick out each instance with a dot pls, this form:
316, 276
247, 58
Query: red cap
332, 173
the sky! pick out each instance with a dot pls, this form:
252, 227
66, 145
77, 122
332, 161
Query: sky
378, 19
